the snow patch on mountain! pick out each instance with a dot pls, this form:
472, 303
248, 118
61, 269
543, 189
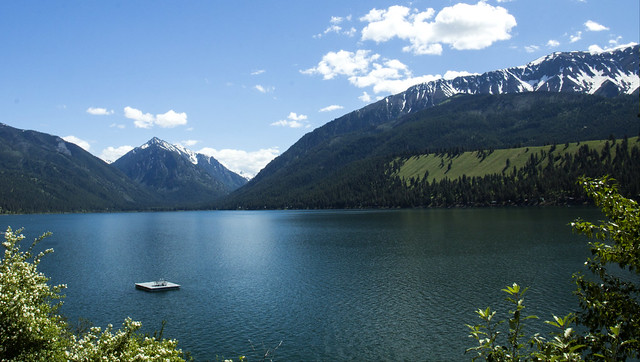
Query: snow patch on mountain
182, 151
607, 73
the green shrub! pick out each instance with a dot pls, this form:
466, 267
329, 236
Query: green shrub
31, 330
609, 300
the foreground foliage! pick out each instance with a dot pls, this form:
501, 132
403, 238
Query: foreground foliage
610, 302
609, 299
31, 329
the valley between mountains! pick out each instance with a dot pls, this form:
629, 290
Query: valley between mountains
517, 136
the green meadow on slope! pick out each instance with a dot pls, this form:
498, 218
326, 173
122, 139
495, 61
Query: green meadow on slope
437, 167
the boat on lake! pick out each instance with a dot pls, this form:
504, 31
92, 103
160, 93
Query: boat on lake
157, 286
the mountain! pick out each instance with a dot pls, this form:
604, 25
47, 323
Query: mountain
607, 74
44, 173
558, 98
180, 176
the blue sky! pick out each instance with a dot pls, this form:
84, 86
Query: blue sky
244, 80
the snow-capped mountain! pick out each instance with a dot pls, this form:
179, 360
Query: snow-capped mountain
562, 81
608, 73
178, 173
182, 151
207, 163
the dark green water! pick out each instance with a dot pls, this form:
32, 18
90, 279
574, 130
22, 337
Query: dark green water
331, 285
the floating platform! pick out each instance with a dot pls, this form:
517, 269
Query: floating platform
157, 286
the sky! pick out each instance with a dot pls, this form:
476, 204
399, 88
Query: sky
242, 81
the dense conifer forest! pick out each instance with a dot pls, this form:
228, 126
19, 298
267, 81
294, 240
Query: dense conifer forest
547, 177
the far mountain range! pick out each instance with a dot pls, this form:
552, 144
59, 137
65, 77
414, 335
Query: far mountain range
559, 98
44, 173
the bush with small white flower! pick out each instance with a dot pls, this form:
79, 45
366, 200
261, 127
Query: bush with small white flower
32, 330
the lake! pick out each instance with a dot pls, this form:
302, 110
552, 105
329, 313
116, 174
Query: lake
329, 285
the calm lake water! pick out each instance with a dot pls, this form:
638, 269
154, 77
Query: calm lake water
331, 285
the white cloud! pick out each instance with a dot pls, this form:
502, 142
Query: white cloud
365, 97
574, 38
99, 111
553, 43
364, 69
140, 120
296, 117
77, 141
117, 125
591, 25
292, 121
169, 119
462, 26
245, 163
258, 72
531, 48
342, 63
333, 107
452, 74
111, 154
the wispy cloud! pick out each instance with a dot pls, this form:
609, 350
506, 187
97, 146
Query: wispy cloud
336, 27
575, 37
531, 48
333, 107
553, 43
263, 89
99, 111
258, 72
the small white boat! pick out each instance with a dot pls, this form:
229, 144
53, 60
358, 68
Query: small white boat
157, 286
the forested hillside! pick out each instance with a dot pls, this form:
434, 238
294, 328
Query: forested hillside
44, 173
350, 169
520, 176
